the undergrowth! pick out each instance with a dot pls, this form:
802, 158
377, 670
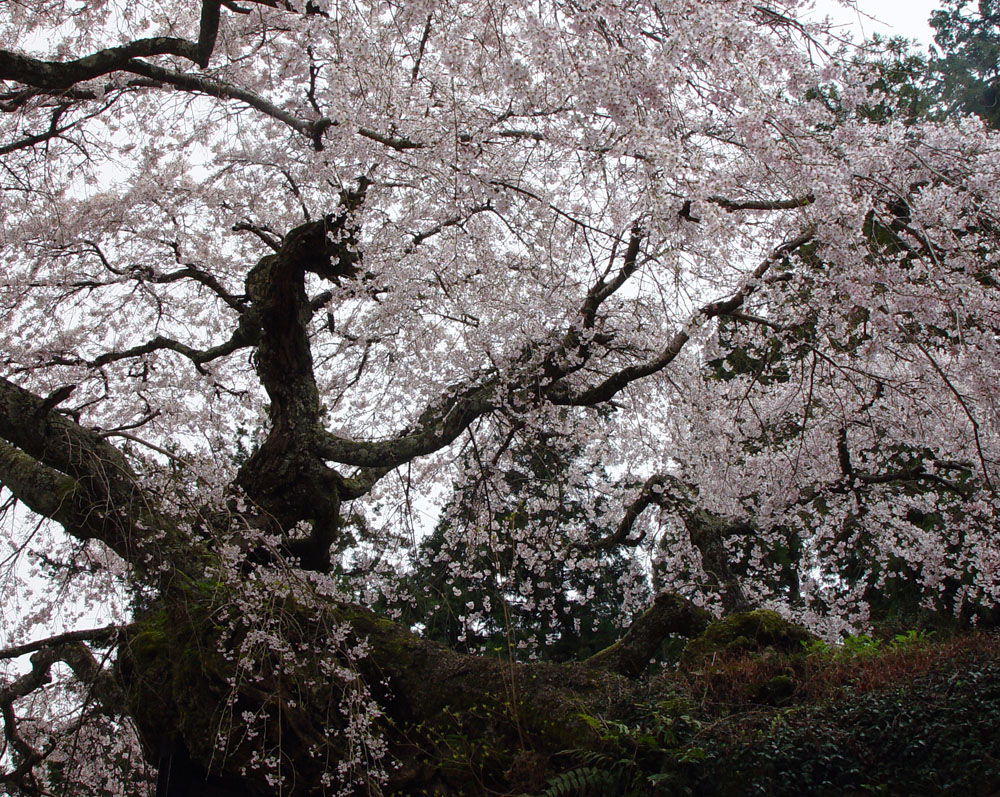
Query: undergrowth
908, 716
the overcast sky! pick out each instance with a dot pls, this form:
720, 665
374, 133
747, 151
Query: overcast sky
889, 17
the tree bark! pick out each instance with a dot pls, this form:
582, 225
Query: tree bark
669, 614
454, 723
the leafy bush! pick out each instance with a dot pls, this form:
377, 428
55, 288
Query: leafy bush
906, 716
931, 732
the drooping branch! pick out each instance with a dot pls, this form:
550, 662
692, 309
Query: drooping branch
852, 478
655, 490
706, 530
560, 393
54, 129
162, 77
454, 221
102, 689
962, 403
192, 272
604, 289
242, 337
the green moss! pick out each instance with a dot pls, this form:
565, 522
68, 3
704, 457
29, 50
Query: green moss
457, 722
777, 691
744, 632
149, 638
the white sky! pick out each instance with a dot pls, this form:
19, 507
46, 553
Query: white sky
887, 17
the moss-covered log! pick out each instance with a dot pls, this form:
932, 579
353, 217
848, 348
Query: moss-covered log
229, 702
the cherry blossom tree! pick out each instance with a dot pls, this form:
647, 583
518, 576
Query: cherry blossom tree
282, 278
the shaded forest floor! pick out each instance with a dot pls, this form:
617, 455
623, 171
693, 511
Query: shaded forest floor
909, 715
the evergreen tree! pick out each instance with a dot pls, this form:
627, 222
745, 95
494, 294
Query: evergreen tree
530, 590
967, 71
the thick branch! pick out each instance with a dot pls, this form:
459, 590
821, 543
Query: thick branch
437, 427
362, 481
916, 473
243, 337
58, 75
204, 278
54, 495
208, 31
670, 614
763, 204
45, 491
286, 477
442, 424
58, 442
397, 143
603, 290
105, 635
68, 473
62, 76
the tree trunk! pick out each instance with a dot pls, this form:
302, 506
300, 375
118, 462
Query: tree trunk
453, 723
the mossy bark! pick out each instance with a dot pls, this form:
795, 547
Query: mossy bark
669, 615
455, 724
747, 631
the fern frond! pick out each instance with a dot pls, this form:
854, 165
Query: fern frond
583, 782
